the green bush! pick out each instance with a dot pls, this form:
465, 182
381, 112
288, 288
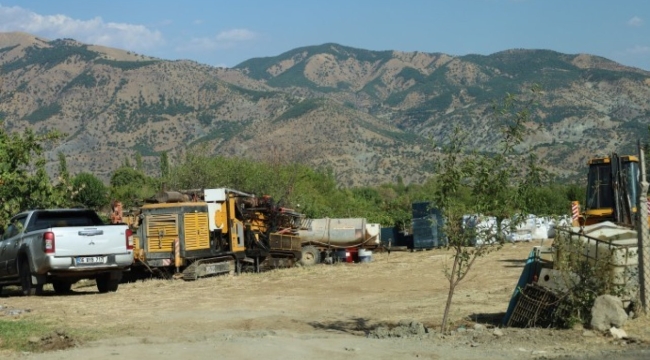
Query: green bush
127, 176
90, 191
131, 186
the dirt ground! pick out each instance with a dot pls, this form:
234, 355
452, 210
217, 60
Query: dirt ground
320, 312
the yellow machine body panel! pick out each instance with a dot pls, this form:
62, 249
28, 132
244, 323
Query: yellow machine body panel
138, 251
161, 231
235, 228
172, 205
197, 235
259, 223
221, 218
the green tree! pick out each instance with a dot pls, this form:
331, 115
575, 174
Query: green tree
575, 192
494, 185
164, 165
64, 174
24, 181
127, 176
90, 191
64, 185
139, 165
131, 186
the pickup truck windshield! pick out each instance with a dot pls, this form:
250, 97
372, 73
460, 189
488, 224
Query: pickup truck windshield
52, 219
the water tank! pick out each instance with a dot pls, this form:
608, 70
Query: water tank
346, 232
615, 245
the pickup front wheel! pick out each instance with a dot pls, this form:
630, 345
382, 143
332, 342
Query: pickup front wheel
28, 288
61, 287
107, 284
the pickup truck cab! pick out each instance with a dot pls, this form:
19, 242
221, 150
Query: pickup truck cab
63, 246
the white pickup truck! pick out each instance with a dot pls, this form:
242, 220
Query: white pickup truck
63, 246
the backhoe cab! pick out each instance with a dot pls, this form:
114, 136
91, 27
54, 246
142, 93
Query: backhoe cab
612, 188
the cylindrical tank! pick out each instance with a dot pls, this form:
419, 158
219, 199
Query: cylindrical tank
348, 232
171, 197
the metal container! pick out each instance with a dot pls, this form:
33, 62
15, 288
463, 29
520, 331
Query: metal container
389, 236
373, 235
614, 245
424, 234
349, 232
171, 197
365, 255
427, 227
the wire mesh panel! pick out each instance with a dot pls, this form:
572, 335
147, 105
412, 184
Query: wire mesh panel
535, 307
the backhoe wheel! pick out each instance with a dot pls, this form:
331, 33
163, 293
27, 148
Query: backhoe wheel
310, 256
28, 288
107, 284
61, 287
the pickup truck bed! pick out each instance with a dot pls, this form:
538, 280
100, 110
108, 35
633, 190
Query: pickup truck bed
61, 247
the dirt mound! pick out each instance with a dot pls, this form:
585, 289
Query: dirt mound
404, 329
57, 340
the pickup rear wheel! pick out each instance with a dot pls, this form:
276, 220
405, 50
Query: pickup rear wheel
28, 288
107, 284
61, 287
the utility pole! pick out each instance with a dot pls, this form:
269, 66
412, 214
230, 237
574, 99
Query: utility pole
644, 242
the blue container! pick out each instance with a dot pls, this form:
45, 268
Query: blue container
388, 236
427, 227
424, 234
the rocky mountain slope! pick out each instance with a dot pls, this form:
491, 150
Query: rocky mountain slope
369, 116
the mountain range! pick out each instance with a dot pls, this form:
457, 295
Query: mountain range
368, 116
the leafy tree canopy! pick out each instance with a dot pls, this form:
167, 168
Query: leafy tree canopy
127, 176
24, 183
91, 192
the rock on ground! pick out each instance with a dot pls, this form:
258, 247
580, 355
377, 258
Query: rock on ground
405, 328
607, 311
617, 333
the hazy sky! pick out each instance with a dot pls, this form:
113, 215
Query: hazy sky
227, 32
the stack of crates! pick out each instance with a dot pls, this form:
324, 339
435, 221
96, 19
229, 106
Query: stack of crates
427, 227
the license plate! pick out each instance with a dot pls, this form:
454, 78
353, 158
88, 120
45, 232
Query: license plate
89, 260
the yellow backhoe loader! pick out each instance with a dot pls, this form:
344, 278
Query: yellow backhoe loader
612, 191
604, 235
